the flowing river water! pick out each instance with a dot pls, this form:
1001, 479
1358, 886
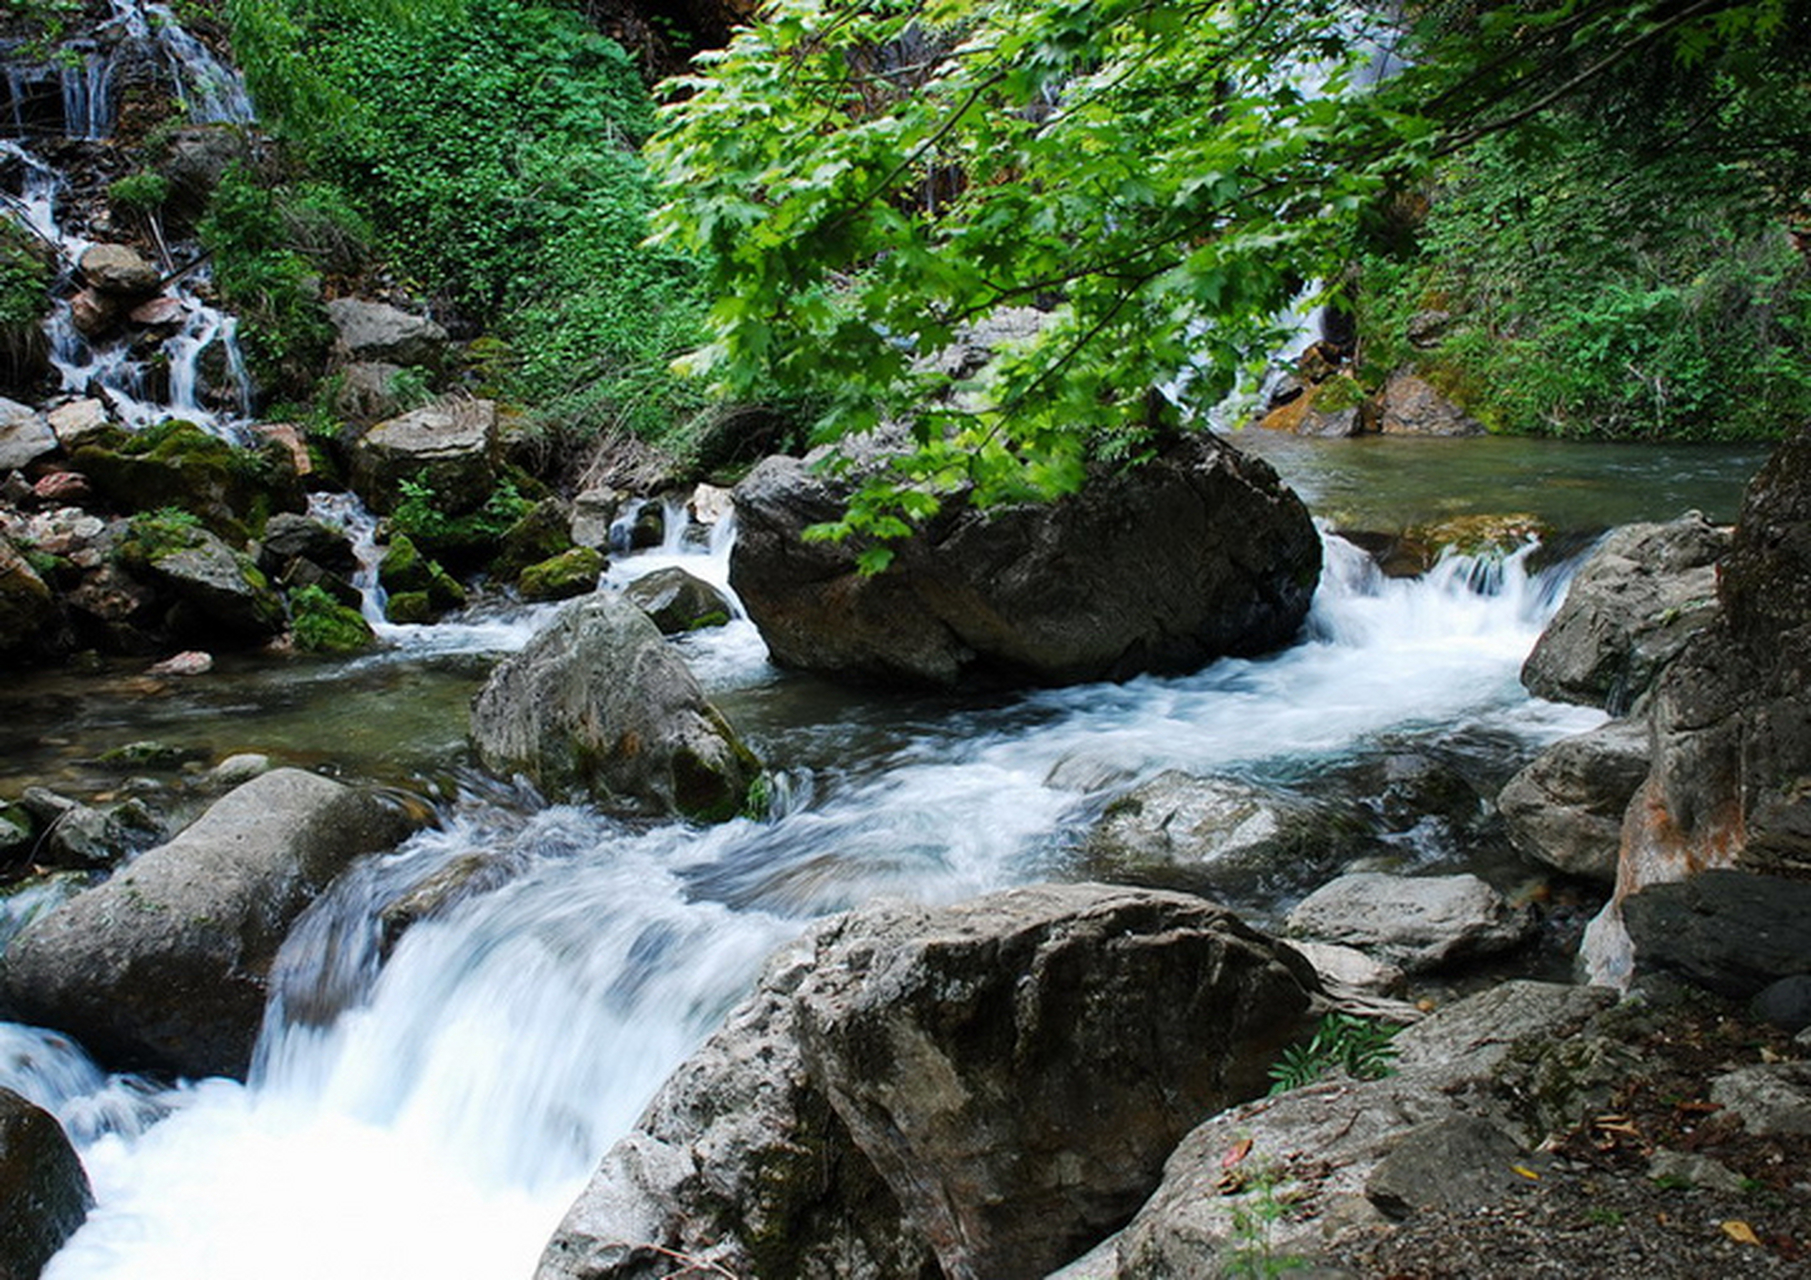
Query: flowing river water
429, 1109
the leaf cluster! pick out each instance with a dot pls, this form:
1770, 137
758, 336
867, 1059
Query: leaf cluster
1341, 1042
865, 182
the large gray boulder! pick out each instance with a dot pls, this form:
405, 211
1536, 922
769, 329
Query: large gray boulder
1348, 1157
449, 446
1645, 592
165, 965
220, 594
1410, 405
42, 1186
1417, 922
379, 332
1566, 807
977, 1091
597, 706
1198, 553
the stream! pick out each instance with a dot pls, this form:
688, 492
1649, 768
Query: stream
429, 1106
432, 1111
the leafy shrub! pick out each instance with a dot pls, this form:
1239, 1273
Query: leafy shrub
1341, 1042
420, 515
492, 143
141, 192
1598, 293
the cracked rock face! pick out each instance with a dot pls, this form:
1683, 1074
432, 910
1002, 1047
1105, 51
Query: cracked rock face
976, 1091
1199, 553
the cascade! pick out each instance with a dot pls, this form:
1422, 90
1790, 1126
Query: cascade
143, 378
429, 1105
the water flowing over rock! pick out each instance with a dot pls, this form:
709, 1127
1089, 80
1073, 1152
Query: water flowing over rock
598, 706
1645, 591
42, 1186
994, 1085
1417, 922
1566, 807
165, 965
1197, 554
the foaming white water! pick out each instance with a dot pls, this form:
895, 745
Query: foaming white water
431, 1111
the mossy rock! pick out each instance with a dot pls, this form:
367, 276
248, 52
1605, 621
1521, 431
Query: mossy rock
176, 464
220, 594
542, 534
403, 567
409, 608
17, 834
322, 624
571, 573
444, 591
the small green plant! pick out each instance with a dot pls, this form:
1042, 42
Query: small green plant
152, 534
410, 388
419, 515
1341, 1042
1259, 1206
140, 192
1598, 1216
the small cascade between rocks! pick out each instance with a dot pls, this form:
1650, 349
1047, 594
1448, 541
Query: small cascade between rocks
163, 352
460, 1028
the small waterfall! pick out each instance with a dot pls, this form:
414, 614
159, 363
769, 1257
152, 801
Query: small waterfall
84, 79
428, 1104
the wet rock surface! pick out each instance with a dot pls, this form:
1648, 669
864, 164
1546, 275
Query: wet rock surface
598, 706
1197, 554
42, 1186
990, 1085
165, 965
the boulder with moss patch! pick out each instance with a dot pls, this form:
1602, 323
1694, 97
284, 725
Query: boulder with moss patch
571, 573
233, 491
679, 602
598, 706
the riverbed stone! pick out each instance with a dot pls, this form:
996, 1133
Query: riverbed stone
574, 572
78, 422
165, 965
25, 436
678, 601
1182, 822
1566, 807
232, 490
1727, 795
992, 1085
1771, 1098
377, 331
597, 706
221, 596
1631, 609
1410, 405
26, 601
42, 1184
120, 271
1420, 923
1200, 552
450, 446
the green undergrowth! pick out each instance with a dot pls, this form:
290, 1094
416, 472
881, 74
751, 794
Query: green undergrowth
1597, 292
492, 144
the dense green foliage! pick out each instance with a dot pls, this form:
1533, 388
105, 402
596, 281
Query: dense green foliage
492, 143
271, 245
25, 275
863, 179
1619, 266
